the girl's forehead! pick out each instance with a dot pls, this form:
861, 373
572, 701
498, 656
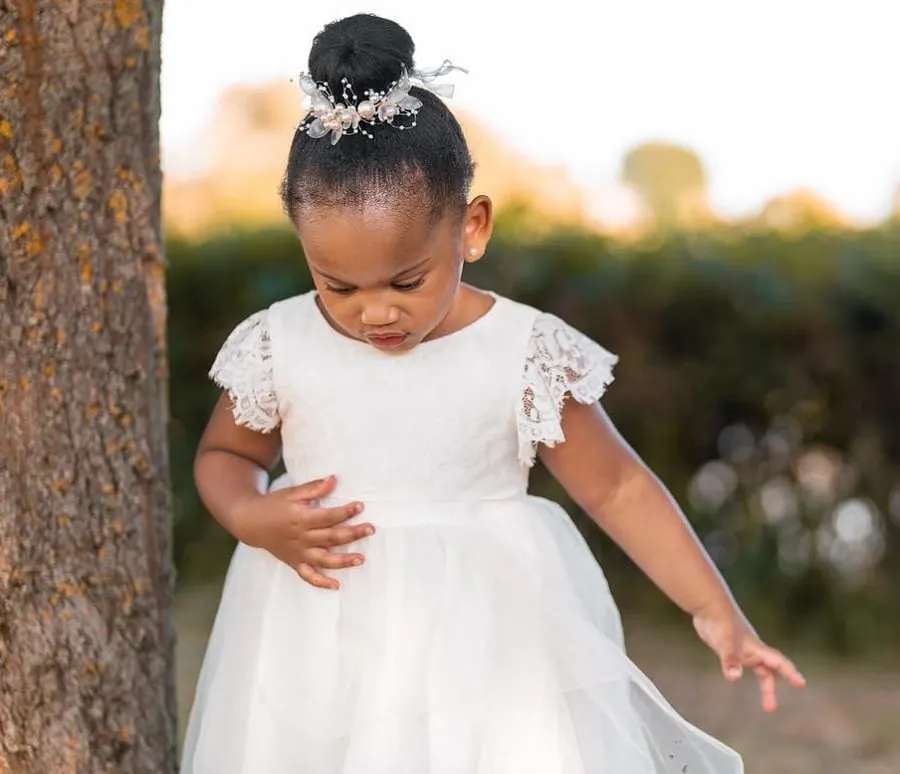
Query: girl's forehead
351, 243
332, 231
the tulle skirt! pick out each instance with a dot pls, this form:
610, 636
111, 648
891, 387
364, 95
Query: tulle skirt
478, 638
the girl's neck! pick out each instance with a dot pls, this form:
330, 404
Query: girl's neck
470, 305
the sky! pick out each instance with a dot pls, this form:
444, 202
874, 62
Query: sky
774, 95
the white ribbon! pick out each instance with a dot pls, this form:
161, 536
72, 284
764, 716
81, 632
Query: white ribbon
426, 77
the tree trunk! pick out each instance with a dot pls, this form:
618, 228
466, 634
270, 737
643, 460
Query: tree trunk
86, 641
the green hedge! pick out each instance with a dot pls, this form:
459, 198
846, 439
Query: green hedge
759, 377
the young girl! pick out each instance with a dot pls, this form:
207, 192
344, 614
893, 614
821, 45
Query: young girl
473, 632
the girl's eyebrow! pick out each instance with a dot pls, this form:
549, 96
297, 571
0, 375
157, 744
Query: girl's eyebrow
399, 274
411, 269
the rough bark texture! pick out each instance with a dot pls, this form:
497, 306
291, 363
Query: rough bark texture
86, 642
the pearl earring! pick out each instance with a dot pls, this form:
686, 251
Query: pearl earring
473, 251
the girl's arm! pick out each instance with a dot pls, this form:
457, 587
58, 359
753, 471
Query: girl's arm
232, 465
613, 486
607, 479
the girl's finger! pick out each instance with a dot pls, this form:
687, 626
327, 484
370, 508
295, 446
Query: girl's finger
731, 668
319, 518
767, 688
785, 667
339, 536
314, 578
777, 662
319, 557
311, 490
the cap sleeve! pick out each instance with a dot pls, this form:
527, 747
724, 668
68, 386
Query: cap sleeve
243, 368
560, 361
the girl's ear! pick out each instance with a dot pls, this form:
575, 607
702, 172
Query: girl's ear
477, 228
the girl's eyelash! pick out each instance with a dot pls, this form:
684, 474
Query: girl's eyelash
402, 286
409, 285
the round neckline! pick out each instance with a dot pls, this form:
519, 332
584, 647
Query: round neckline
474, 324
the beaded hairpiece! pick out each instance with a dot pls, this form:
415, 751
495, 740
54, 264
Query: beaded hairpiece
395, 106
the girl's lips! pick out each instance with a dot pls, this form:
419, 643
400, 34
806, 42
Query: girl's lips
389, 341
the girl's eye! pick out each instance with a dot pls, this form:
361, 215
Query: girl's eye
339, 291
407, 286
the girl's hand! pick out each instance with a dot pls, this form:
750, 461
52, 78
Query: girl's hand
733, 640
290, 525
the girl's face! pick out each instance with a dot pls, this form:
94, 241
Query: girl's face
391, 278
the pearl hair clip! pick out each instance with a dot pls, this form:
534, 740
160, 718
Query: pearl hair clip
350, 116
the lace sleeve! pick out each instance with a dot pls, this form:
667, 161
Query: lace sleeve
243, 368
560, 362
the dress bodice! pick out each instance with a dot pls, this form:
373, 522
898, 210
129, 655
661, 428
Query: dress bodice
456, 417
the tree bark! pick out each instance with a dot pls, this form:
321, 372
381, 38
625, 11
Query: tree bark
86, 640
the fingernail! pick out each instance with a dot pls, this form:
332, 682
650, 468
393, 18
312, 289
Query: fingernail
369, 532
357, 562
734, 673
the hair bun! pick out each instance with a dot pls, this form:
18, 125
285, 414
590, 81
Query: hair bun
367, 50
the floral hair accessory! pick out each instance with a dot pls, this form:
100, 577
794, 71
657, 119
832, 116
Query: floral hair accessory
396, 106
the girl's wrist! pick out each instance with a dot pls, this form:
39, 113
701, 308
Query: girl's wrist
238, 520
720, 607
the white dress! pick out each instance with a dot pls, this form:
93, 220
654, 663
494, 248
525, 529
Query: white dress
480, 636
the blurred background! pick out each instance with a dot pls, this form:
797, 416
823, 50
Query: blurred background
711, 190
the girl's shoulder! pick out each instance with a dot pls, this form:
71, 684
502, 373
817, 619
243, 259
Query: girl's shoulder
260, 323
292, 309
245, 364
255, 332
559, 362
280, 323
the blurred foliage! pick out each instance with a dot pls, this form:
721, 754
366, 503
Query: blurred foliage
759, 379
672, 182
799, 212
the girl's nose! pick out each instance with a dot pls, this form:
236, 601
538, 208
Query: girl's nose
378, 315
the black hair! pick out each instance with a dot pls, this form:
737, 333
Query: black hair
427, 164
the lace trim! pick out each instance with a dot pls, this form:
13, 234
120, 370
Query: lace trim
560, 362
243, 368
